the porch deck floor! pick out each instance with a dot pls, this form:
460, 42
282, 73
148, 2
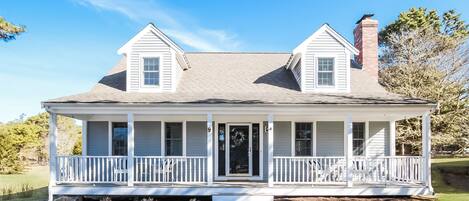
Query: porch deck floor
245, 184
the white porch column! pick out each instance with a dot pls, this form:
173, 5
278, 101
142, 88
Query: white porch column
270, 154
348, 139
392, 138
52, 152
209, 149
130, 149
84, 139
426, 149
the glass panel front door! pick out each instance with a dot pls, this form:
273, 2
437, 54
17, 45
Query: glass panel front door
239, 147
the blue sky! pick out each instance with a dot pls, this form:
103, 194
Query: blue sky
69, 45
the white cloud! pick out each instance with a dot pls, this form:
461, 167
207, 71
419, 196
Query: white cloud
177, 25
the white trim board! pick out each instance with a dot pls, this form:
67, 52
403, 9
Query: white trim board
150, 27
333, 33
292, 190
261, 153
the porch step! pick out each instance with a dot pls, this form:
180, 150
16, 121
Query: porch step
242, 198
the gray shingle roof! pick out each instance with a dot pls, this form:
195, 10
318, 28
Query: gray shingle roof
259, 78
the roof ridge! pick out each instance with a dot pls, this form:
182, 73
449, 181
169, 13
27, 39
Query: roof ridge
232, 52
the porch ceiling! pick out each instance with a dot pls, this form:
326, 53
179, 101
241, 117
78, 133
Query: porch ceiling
242, 112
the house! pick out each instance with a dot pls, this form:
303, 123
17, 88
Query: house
242, 125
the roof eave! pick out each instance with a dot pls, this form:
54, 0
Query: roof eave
150, 27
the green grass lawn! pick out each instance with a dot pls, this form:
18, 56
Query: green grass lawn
36, 177
444, 191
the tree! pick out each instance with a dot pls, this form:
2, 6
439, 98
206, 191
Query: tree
9, 31
424, 56
24, 142
77, 148
450, 24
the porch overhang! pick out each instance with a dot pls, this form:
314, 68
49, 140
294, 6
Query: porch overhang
85, 111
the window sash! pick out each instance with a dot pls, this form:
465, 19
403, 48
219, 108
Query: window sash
326, 71
151, 71
119, 139
303, 138
358, 138
173, 144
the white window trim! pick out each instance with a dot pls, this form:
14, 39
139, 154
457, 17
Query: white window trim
313, 137
141, 71
320, 88
365, 137
163, 137
110, 134
334, 72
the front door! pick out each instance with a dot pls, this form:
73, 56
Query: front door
239, 145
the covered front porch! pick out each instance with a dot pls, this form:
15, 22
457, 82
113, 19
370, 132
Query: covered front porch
272, 150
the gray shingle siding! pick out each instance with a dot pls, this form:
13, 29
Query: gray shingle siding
148, 138
97, 138
196, 138
282, 138
378, 141
330, 138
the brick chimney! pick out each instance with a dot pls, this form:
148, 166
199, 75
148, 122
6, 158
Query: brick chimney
366, 41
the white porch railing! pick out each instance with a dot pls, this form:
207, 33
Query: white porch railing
147, 169
388, 169
91, 169
330, 170
170, 169
309, 170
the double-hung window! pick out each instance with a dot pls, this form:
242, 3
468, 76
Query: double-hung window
119, 139
303, 139
326, 71
173, 140
151, 71
358, 139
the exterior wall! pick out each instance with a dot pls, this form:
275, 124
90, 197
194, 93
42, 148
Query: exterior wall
282, 138
282, 143
378, 140
330, 138
97, 138
148, 138
297, 73
326, 46
197, 138
149, 44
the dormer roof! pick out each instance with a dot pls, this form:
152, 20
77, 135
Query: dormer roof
150, 27
333, 33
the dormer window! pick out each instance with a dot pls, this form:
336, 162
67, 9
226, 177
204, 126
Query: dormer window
326, 72
151, 71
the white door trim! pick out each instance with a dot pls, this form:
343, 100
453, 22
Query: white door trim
227, 150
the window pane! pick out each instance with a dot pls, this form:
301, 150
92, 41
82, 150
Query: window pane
358, 138
221, 149
358, 147
173, 147
173, 133
325, 78
151, 71
303, 147
151, 78
119, 139
326, 71
303, 134
151, 64
303, 130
